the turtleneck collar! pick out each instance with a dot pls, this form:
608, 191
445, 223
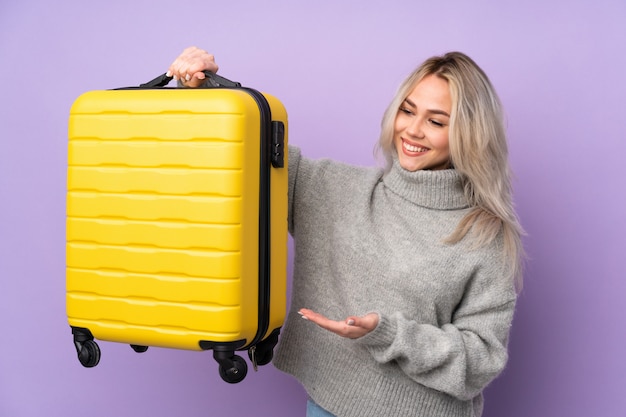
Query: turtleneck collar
441, 189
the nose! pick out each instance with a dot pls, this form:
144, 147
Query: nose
415, 128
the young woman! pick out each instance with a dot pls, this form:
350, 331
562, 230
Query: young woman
405, 276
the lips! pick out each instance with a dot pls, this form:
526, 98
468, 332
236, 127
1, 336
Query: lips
407, 147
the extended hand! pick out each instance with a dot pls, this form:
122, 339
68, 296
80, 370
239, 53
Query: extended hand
352, 327
189, 65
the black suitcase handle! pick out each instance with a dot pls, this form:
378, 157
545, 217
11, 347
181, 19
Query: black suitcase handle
214, 81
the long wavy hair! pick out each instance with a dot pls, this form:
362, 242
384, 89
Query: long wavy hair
478, 151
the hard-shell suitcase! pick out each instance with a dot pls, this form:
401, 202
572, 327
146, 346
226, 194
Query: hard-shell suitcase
177, 221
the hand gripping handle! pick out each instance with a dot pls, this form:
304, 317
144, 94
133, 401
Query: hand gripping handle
214, 80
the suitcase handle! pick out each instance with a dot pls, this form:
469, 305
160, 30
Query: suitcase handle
214, 81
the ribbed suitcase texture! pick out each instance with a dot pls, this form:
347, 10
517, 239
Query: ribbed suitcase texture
166, 233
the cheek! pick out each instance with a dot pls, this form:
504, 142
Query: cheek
396, 144
397, 126
397, 131
442, 142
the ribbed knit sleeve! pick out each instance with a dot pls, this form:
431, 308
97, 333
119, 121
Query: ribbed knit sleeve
463, 356
294, 163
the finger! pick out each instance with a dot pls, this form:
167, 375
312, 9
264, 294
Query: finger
191, 71
179, 68
367, 322
322, 321
174, 70
202, 64
198, 59
314, 316
341, 328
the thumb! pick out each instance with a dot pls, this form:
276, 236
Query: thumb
369, 321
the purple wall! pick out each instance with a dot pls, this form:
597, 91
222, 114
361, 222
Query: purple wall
559, 69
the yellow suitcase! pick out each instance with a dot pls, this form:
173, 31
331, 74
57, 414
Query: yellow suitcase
177, 221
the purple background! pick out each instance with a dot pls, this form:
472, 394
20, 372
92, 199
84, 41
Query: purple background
558, 65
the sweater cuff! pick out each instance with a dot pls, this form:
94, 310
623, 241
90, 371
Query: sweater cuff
382, 336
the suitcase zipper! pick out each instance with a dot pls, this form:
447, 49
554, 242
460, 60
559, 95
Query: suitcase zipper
264, 215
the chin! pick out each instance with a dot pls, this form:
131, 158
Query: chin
409, 165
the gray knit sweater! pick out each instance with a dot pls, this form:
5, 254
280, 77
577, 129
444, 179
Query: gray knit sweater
364, 243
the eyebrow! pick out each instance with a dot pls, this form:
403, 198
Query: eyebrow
432, 111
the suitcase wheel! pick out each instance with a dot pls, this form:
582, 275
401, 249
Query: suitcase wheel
233, 370
263, 352
259, 356
139, 349
89, 354
86, 348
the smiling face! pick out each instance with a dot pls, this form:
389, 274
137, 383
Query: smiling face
422, 124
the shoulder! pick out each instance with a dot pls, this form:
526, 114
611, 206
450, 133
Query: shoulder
328, 173
492, 272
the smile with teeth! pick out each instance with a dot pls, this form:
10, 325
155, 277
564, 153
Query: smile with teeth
413, 148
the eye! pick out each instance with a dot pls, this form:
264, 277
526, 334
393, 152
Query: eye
436, 123
405, 110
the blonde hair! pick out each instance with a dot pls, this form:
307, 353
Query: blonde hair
478, 151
